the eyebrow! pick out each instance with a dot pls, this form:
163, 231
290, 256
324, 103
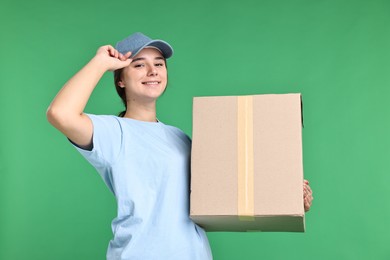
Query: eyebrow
141, 58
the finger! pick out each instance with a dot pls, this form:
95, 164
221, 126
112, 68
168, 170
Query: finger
124, 57
126, 62
127, 55
110, 49
116, 54
111, 52
308, 202
307, 192
306, 206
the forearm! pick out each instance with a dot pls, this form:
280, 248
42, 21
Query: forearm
73, 97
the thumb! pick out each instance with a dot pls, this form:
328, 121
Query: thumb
127, 62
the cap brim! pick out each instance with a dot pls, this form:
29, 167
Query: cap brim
164, 47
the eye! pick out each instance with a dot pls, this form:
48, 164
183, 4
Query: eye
138, 65
160, 64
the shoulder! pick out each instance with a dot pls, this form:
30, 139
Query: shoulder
106, 125
111, 118
105, 120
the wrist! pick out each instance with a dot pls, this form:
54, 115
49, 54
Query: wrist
98, 64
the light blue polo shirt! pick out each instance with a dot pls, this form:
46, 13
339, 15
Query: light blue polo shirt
146, 165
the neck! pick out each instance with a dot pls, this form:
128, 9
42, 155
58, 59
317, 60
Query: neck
143, 112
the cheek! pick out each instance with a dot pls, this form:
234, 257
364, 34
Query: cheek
164, 74
134, 77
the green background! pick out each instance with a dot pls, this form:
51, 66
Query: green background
53, 205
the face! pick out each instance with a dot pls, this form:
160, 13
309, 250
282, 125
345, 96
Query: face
145, 78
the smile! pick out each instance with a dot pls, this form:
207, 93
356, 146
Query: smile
151, 82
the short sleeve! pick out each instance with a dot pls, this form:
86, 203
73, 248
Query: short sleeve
106, 141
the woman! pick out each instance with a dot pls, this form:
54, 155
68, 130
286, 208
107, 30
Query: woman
144, 162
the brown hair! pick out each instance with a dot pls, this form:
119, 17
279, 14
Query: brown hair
121, 91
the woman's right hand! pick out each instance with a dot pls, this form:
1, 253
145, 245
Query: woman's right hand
111, 58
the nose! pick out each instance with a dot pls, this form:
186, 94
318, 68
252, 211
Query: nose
152, 71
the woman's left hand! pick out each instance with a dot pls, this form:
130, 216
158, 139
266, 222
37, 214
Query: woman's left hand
307, 195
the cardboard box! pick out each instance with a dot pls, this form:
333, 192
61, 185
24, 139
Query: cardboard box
246, 163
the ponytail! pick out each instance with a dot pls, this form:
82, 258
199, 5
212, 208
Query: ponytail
121, 91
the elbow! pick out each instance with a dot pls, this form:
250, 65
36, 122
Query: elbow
55, 117
61, 119
51, 115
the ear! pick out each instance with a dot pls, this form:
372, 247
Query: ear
121, 84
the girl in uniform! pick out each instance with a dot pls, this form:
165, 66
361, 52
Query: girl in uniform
145, 163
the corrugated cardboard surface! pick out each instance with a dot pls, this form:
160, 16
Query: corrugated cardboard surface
277, 164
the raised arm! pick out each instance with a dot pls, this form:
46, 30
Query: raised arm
66, 112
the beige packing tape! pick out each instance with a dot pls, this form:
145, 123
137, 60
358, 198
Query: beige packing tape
245, 158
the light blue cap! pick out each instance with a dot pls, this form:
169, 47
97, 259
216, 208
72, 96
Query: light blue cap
138, 41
